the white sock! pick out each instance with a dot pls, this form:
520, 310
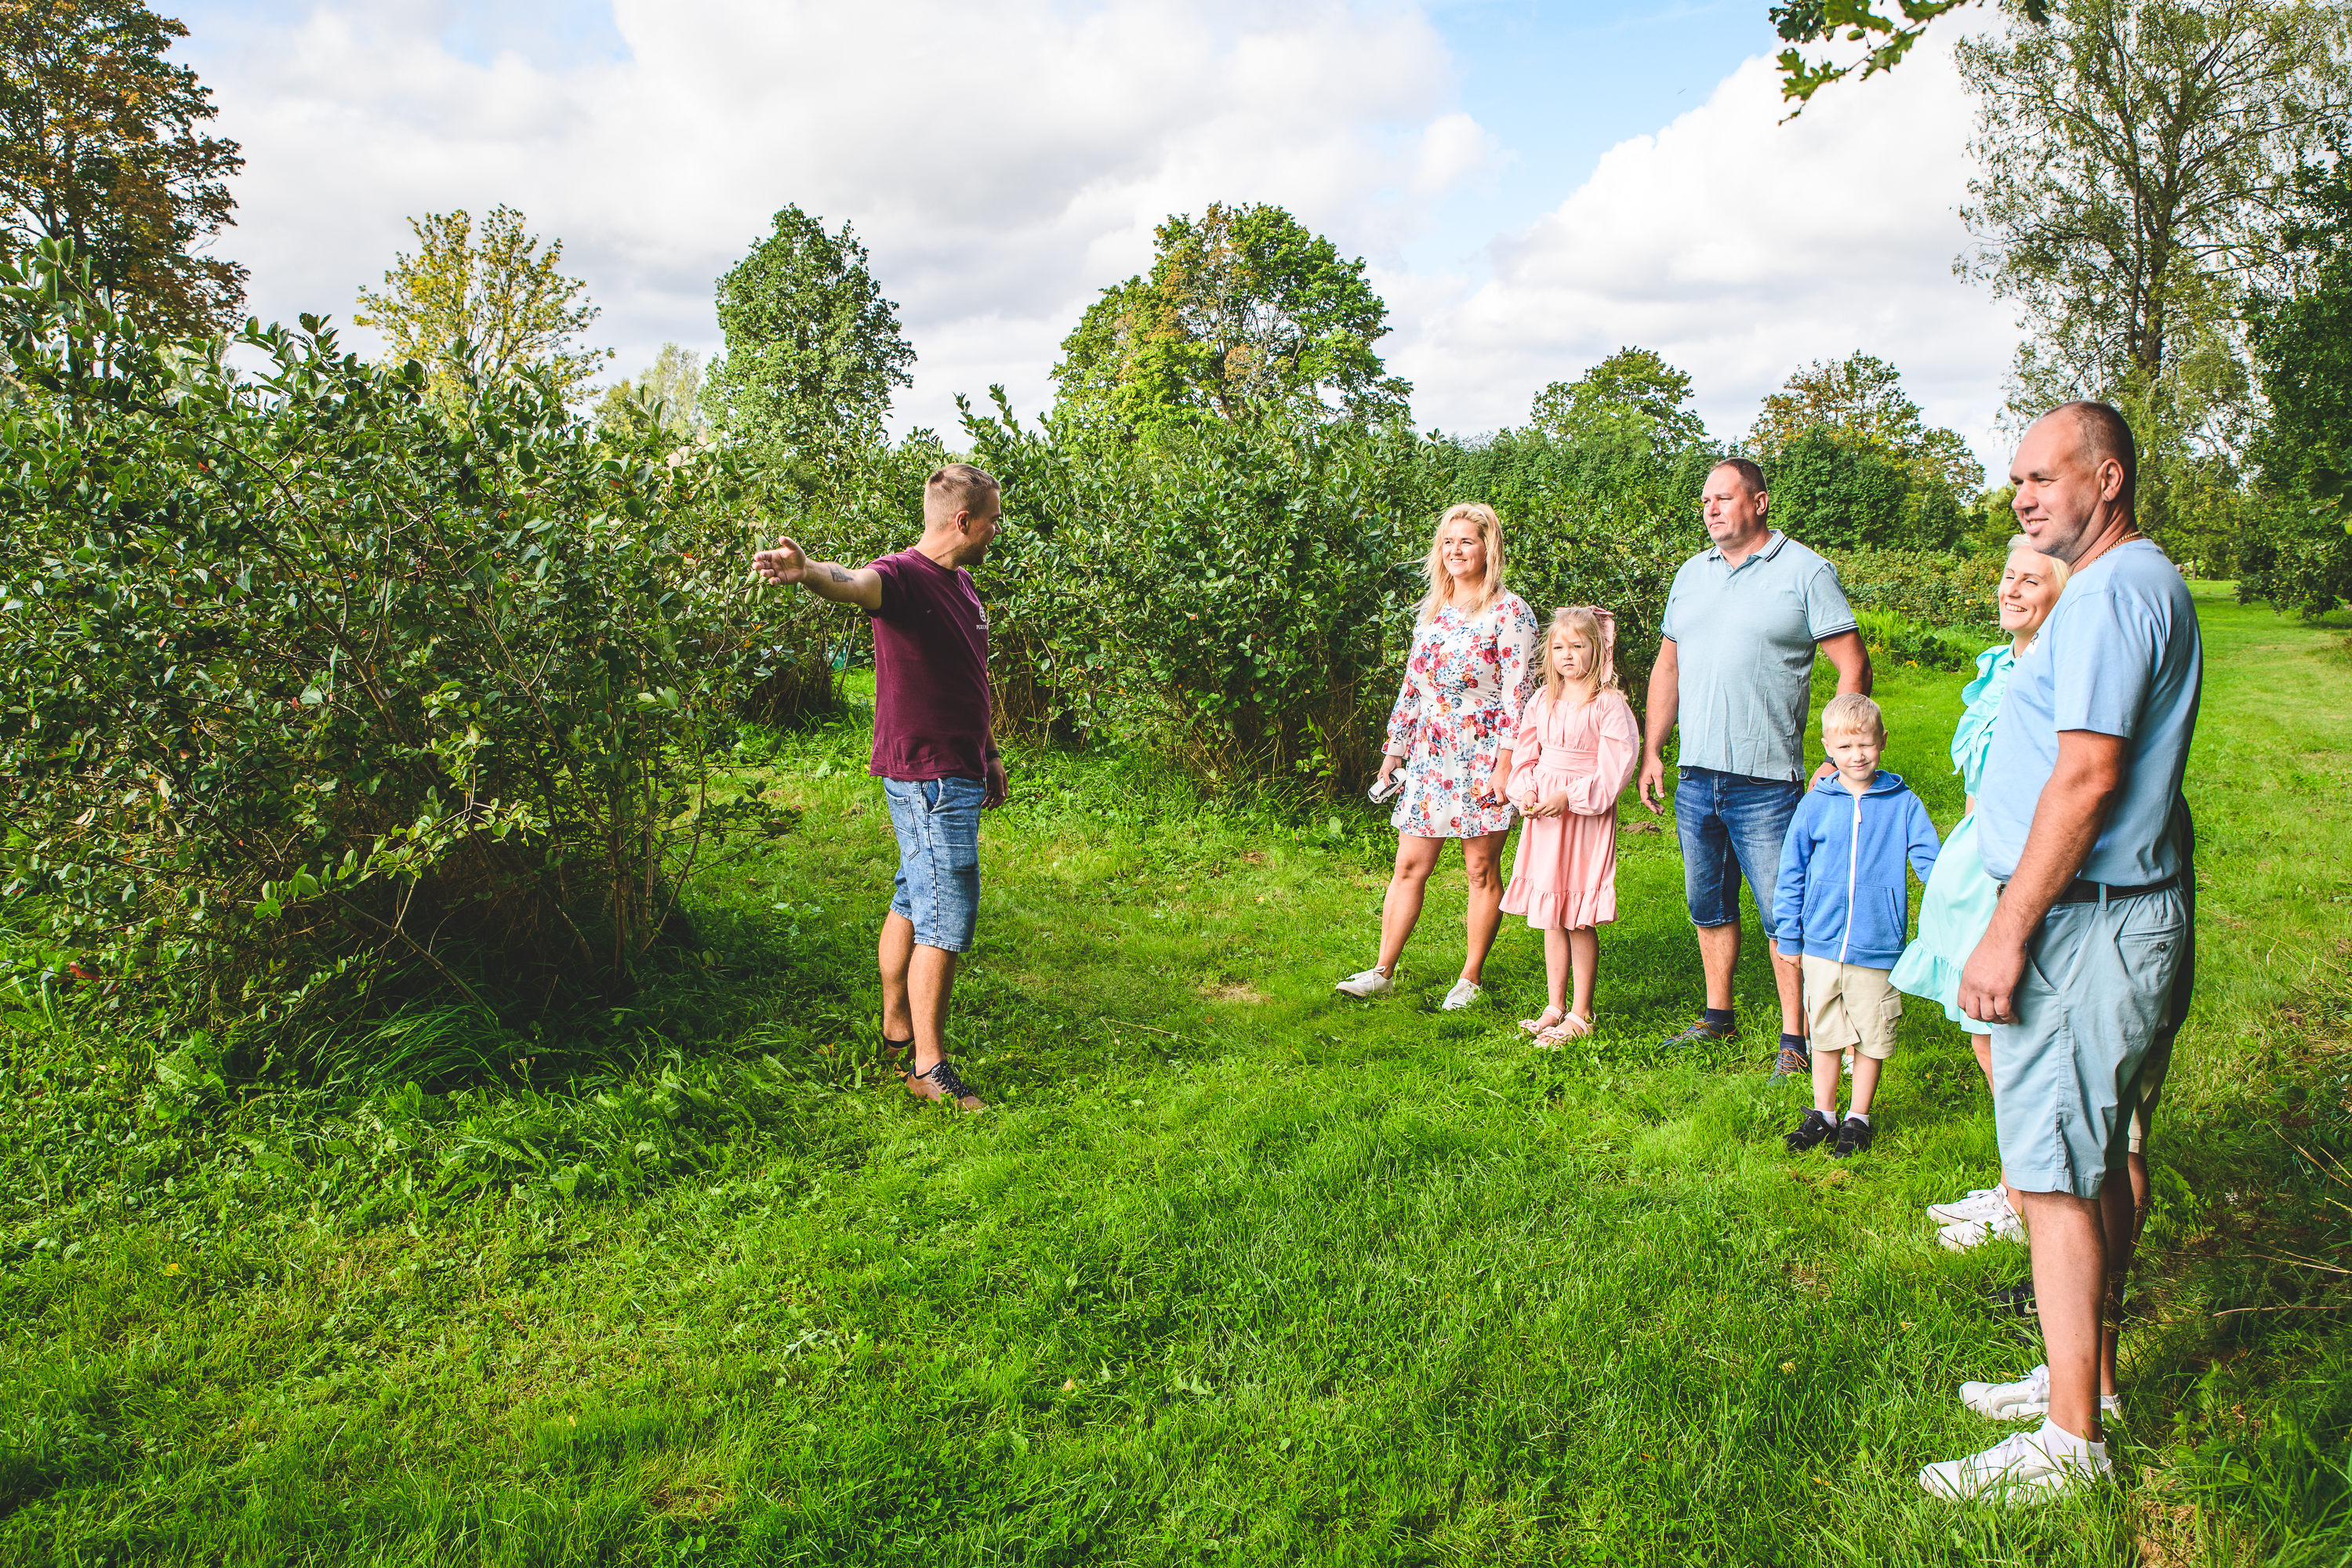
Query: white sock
2061, 1445
1861, 1116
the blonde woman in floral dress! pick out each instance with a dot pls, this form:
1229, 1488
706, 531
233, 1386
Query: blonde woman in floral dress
1449, 743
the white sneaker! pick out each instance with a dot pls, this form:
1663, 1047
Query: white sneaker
1965, 1234
1464, 993
1365, 982
2020, 1468
1980, 1204
2028, 1398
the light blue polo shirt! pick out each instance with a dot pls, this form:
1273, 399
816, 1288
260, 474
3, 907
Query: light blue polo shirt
2119, 655
1744, 639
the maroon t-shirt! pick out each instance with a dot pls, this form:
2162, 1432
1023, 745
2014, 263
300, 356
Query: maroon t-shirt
931, 672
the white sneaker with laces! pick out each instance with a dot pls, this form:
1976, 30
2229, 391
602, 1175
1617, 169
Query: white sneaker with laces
1464, 993
2028, 1398
2022, 1467
1980, 1204
1365, 982
2004, 1225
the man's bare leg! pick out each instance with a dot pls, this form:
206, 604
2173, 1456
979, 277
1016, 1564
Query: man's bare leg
1718, 956
2068, 1236
917, 981
895, 949
1788, 978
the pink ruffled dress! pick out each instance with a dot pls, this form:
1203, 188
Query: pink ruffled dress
1566, 875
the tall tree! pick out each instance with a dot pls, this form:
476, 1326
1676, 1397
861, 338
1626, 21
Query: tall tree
500, 293
669, 390
1245, 307
813, 347
2301, 553
1634, 391
1859, 402
100, 145
2134, 155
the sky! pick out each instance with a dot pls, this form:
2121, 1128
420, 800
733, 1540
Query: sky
1531, 185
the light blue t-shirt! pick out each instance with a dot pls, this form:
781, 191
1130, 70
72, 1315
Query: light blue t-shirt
1744, 639
2120, 655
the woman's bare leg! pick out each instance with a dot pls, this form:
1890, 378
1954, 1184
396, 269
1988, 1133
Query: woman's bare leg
1482, 862
1982, 1046
1416, 858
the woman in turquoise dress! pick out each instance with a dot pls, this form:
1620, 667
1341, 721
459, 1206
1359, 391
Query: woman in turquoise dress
1958, 905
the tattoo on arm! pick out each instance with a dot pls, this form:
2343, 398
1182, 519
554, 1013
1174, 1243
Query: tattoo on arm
838, 574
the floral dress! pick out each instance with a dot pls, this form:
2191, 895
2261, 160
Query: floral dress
1464, 687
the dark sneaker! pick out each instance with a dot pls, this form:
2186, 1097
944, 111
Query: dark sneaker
2016, 1301
1700, 1032
1791, 1063
942, 1084
1813, 1131
1853, 1137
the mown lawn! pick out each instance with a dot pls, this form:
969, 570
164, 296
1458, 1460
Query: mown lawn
1234, 1270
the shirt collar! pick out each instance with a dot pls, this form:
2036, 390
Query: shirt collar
1772, 543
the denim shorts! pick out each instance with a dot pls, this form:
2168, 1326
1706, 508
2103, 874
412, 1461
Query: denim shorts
1731, 827
937, 889
2071, 1075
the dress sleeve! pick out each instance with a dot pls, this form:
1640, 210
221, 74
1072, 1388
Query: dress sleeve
1514, 649
1405, 717
1528, 753
1618, 738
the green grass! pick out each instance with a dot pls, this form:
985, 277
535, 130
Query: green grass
1234, 1270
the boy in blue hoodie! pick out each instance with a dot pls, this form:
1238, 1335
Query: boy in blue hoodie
1843, 907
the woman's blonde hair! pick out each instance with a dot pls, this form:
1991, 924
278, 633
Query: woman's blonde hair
1481, 515
2059, 571
1584, 621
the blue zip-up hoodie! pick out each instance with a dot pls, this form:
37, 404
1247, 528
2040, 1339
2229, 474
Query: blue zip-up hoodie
1842, 895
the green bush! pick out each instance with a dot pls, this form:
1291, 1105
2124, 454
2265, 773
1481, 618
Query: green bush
2298, 556
310, 693
1894, 640
1930, 588
1838, 496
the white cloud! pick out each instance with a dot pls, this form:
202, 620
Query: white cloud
1739, 247
1006, 161
1003, 162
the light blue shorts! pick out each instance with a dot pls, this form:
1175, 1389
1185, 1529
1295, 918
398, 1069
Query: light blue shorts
937, 889
2069, 1075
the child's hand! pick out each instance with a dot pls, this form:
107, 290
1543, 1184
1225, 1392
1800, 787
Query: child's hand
1556, 806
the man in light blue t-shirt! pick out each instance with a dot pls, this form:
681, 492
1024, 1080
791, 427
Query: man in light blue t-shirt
2075, 819
1734, 671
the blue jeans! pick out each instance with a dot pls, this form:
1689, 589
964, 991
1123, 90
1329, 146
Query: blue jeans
938, 888
1731, 827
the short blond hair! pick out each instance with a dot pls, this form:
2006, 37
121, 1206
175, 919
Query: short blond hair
959, 487
1852, 713
2059, 571
1480, 516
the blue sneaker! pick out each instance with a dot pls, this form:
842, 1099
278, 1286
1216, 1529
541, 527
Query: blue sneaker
1700, 1032
1791, 1063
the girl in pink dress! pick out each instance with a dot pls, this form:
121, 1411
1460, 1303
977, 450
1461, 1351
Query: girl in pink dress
1577, 743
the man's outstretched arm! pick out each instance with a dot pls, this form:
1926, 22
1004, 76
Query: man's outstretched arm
788, 564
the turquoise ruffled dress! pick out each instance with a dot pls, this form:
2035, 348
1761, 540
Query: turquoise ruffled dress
1958, 905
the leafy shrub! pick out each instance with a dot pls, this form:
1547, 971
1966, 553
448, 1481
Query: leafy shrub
1230, 596
2298, 556
1894, 640
307, 689
1927, 587
1838, 495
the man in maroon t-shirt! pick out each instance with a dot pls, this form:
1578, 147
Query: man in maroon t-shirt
932, 750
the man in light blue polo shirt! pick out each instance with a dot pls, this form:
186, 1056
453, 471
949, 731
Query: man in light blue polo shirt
1735, 669
2076, 815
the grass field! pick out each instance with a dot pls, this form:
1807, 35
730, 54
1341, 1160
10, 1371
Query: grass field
1234, 1270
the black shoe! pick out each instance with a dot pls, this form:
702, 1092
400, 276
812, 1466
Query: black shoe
2017, 1300
1700, 1032
1853, 1137
1812, 1131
